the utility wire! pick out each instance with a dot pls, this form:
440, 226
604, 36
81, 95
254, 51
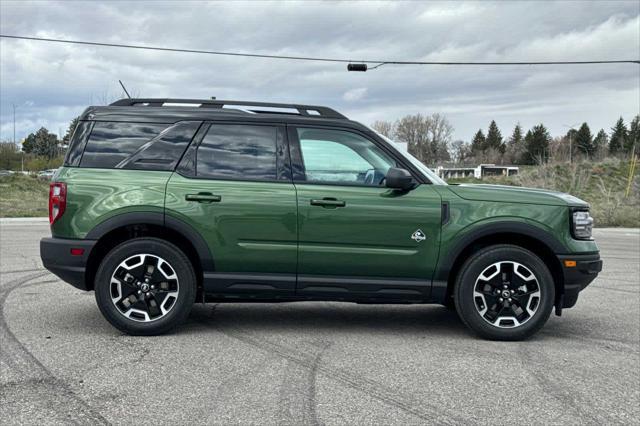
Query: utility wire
311, 58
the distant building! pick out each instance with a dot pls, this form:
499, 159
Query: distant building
476, 172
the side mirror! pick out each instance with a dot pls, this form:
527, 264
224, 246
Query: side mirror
399, 179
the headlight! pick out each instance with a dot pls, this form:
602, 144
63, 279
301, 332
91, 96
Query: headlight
582, 225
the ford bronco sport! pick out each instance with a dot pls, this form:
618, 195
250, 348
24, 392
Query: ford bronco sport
164, 202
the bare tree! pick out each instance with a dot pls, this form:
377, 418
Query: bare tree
460, 152
427, 137
383, 127
440, 135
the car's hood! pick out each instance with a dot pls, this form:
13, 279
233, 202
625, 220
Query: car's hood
515, 194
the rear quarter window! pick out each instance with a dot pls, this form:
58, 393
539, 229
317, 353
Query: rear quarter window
77, 143
138, 146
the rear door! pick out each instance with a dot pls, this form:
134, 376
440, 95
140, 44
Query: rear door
357, 237
234, 187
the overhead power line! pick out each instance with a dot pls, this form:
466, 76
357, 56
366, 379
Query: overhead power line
313, 58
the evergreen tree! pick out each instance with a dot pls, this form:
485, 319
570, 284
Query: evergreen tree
584, 141
494, 138
70, 130
619, 135
600, 143
515, 145
478, 143
41, 143
516, 136
633, 138
570, 138
536, 145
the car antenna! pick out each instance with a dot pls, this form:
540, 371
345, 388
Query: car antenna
124, 88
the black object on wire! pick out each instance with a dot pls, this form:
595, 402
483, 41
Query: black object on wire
352, 66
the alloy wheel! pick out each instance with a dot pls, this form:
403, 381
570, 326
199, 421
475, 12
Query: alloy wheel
144, 287
507, 294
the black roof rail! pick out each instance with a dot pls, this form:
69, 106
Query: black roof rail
306, 110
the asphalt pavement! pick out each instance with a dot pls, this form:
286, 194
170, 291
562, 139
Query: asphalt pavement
313, 362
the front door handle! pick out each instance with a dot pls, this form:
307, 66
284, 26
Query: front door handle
203, 197
329, 203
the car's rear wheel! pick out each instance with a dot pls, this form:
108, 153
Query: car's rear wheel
145, 286
504, 292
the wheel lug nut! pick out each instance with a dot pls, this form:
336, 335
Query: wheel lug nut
139, 292
501, 299
146, 280
509, 299
153, 287
504, 286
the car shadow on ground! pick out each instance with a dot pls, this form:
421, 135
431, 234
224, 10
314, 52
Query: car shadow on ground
325, 317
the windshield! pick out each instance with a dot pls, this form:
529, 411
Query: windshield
434, 178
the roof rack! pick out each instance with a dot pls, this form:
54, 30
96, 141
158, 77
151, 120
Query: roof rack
252, 107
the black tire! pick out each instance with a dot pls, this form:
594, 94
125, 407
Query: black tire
467, 304
180, 307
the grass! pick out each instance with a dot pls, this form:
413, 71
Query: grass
23, 196
601, 184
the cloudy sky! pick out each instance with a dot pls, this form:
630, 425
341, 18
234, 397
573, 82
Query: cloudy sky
51, 83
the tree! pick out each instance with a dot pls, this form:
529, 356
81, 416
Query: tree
478, 143
9, 155
584, 141
41, 143
72, 127
600, 143
536, 145
494, 138
571, 136
412, 129
461, 151
619, 135
440, 133
633, 137
515, 145
427, 137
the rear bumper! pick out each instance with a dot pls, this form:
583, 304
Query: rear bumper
578, 277
56, 257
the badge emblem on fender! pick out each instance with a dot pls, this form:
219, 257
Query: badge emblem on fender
418, 236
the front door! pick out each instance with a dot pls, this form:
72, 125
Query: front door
234, 187
357, 237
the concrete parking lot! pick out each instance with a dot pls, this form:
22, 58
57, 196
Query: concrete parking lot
313, 363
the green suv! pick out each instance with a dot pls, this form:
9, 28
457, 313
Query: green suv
164, 202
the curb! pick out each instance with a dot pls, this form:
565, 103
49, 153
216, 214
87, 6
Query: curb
8, 220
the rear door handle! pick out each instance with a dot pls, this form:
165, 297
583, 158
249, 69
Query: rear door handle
328, 203
203, 197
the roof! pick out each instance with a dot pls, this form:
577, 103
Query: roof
153, 110
248, 107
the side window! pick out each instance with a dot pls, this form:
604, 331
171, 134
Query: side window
110, 143
239, 151
337, 156
165, 150
77, 143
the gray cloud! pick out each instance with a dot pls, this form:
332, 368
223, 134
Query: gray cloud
53, 82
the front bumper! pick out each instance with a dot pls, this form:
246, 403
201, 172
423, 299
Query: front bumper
56, 257
576, 278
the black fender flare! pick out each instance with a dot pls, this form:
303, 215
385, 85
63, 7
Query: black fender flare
158, 219
447, 259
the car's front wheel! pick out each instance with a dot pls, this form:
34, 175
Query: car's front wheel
504, 292
145, 286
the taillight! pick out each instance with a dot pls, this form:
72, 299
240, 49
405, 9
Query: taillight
57, 200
